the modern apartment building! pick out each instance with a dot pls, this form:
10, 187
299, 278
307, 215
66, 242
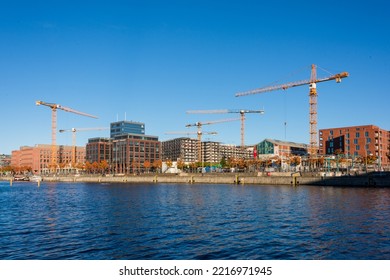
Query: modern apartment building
131, 151
125, 127
38, 158
356, 141
215, 151
99, 149
184, 148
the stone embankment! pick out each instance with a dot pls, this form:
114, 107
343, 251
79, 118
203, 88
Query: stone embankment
373, 180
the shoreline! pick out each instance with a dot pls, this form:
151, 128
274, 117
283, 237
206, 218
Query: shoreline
368, 180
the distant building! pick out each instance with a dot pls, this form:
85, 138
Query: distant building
5, 160
273, 147
354, 141
215, 151
184, 148
125, 127
99, 149
38, 158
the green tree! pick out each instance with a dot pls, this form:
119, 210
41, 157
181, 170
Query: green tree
223, 162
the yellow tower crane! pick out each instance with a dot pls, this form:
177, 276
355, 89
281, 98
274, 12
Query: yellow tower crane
54, 108
312, 99
242, 113
74, 130
199, 126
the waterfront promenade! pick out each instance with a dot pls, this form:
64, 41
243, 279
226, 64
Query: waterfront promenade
293, 179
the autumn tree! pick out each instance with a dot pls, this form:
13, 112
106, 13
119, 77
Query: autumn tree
147, 165
180, 164
88, 167
295, 161
135, 165
103, 166
95, 167
157, 164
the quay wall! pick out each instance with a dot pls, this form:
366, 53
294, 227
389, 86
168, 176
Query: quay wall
294, 180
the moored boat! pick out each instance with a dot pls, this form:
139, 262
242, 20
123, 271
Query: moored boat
35, 178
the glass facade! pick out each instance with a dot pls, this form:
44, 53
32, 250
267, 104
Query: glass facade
125, 127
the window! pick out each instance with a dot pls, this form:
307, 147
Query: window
347, 135
357, 134
366, 134
368, 140
357, 148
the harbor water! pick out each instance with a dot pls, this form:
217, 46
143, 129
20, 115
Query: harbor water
86, 221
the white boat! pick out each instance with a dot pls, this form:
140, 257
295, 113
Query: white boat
35, 178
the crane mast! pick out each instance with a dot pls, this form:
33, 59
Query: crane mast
242, 113
199, 126
54, 108
312, 99
74, 130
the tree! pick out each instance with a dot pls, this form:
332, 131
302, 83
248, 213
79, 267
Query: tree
80, 166
88, 167
135, 165
295, 161
193, 166
103, 166
95, 167
180, 164
157, 164
147, 165
223, 162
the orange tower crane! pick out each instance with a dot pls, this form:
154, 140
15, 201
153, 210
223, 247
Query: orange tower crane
54, 108
74, 130
199, 126
242, 113
312, 99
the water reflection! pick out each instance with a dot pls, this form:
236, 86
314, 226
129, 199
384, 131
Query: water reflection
132, 221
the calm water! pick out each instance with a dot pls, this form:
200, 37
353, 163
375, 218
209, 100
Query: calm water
118, 221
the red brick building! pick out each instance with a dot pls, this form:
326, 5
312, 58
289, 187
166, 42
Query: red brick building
38, 158
99, 149
356, 141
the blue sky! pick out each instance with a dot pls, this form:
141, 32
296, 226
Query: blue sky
154, 60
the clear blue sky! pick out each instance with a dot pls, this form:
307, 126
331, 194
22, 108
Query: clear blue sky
154, 60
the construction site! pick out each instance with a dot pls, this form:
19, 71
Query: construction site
129, 150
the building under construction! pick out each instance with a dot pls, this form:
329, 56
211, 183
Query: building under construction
186, 149
183, 148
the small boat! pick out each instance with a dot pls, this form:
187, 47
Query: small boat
20, 178
35, 178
